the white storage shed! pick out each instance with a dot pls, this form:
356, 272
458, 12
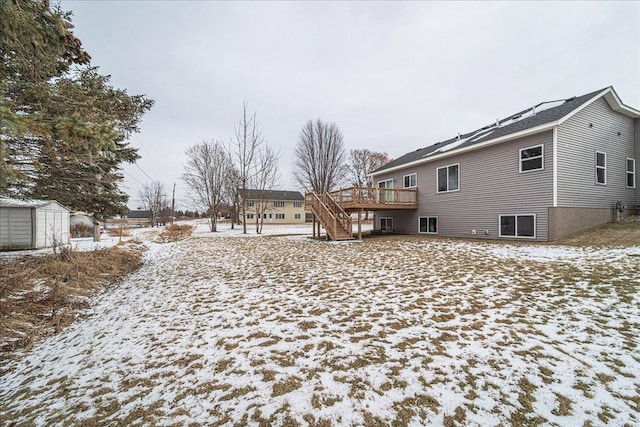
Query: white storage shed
32, 224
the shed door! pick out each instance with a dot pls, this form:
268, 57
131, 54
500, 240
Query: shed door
15, 228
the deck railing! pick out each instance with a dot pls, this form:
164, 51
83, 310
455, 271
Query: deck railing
375, 196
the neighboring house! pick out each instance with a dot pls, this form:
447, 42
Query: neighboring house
278, 207
32, 224
138, 218
540, 174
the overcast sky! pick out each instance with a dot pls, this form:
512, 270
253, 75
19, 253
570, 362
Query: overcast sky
394, 76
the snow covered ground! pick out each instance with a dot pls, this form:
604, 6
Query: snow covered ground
285, 330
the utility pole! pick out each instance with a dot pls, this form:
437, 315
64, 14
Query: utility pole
173, 203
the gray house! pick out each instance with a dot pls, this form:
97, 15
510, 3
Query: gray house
32, 224
540, 174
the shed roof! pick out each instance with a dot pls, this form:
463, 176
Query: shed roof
275, 195
27, 203
538, 118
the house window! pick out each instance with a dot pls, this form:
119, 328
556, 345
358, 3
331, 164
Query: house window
410, 181
601, 168
517, 226
296, 216
297, 204
249, 203
531, 158
631, 173
278, 204
250, 216
449, 178
428, 224
279, 216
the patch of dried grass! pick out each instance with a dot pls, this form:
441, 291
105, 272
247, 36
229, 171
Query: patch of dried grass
175, 232
40, 296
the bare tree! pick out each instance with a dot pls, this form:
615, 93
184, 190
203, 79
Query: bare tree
264, 180
244, 148
208, 164
233, 188
362, 163
320, 157
153, 197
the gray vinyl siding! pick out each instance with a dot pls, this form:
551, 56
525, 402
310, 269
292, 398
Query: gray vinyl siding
15, 228
490, 185
577, 146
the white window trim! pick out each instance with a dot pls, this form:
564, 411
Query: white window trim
447, 168
601, 167
427, 218
520, 159
410, 175
633, 172
535, 227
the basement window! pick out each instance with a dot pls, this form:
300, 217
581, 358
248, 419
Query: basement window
517, 226
428, 224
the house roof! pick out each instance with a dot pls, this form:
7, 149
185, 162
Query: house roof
27, 203
139, 214
274, 195
538, 118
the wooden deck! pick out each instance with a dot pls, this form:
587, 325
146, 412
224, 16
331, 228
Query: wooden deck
376, 199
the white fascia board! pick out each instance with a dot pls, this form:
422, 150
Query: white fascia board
505, 138
616, 105
612, 99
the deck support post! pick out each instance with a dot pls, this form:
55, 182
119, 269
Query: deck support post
359, 224
314, 226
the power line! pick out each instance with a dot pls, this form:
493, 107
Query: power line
141, 170
132, 177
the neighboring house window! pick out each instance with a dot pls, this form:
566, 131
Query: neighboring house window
410, 180
449, 178
631, 173
250, 216
297, 204
428, 224
278, 204
279, 216
531, 158
517, 226
601, 168
296, 216
249, 203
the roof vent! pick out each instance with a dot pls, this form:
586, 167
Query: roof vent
498, 122
533, 110
458, 137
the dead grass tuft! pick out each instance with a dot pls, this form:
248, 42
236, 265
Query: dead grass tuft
40, 296
175, 232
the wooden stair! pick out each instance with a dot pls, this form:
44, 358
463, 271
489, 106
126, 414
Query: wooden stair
333, 218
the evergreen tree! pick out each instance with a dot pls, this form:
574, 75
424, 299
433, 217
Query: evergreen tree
64, 129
